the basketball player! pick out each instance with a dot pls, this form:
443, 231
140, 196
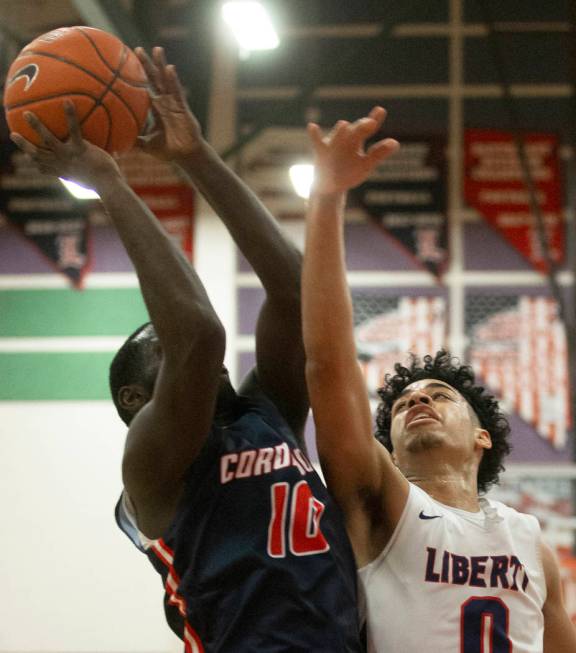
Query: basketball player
442, 569
218, 491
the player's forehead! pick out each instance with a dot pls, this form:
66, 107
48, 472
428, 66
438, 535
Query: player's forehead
427, 385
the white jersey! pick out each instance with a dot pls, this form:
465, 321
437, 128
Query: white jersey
451, 581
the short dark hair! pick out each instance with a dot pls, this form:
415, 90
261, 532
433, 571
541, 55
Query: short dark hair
132, 364
445, 367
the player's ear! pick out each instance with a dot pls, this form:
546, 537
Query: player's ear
133, 397
482, 438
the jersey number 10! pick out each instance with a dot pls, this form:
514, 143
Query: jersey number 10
301, 528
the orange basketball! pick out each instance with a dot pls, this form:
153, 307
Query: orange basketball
95, 70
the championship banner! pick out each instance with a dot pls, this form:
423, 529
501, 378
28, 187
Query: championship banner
44, 213
387, 329
406, 197
494, 186
166, 194
518, 348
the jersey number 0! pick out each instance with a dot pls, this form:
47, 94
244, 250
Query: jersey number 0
478, 613
302, 528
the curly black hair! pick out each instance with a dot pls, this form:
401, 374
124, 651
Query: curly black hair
445, 367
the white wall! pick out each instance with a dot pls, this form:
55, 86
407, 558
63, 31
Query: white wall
70, 581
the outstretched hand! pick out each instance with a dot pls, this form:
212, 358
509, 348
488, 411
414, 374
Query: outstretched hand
176, 133
341, 158
74, 158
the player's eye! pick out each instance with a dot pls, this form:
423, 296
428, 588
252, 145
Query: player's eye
442, 395
399, 406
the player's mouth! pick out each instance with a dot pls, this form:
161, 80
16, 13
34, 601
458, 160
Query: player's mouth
418, 414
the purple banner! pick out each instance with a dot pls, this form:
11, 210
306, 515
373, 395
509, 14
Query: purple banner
44, 213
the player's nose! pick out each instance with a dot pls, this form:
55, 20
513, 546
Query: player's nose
418, 397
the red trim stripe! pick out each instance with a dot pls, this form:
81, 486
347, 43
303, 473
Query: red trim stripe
192, 642
165, 554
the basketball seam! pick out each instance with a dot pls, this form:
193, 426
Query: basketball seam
107, 64
100, 100
72, 93
49, 55
49, 97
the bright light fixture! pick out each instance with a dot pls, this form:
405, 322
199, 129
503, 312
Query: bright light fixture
79, 192
302, 177
251, 25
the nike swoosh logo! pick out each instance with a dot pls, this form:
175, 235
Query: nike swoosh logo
423, 516
29, 72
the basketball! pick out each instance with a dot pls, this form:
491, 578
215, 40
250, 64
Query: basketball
95, 70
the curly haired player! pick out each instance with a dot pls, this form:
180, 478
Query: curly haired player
442, 568
460, 377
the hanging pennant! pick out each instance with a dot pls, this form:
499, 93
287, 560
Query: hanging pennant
494, 186
44, 213
406, 197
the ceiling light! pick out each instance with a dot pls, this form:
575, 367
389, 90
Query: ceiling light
302, 177
251, 25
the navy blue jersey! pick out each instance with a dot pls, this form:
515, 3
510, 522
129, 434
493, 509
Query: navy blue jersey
256, 558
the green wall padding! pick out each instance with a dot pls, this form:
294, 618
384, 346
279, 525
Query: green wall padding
54, 376
62, 312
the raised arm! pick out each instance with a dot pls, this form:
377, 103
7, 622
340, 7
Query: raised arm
276, 261
168, 432
354, 463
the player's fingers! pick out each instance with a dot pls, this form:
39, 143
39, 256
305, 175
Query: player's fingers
174, 86
339, 132
155, 122
366, 127
161, 64
48, 138
378, 114
363, 129
142, 55
315, 135
72, 120
150, 69
159, 56
382, 150
42, 159
26, 146
145, 60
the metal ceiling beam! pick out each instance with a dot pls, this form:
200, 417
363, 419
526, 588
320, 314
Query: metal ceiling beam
110, 15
